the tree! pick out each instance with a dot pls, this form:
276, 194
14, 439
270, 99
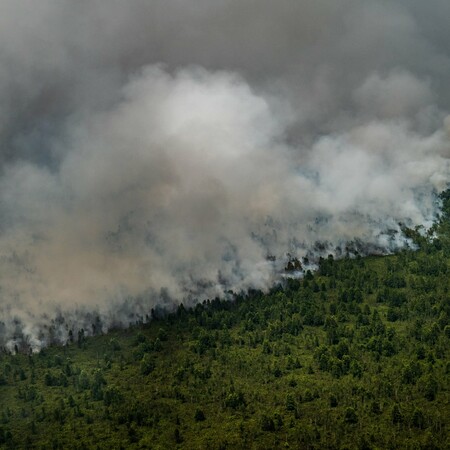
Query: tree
199, 415
147, 365
235, 400
267, 423
396, 415
331, 327
351, 416
418, 419
177, 436
112, 396
429, 386
290, 403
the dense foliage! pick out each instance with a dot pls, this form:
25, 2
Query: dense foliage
355, 356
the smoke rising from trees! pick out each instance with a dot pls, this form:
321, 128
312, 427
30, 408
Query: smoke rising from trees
160, 151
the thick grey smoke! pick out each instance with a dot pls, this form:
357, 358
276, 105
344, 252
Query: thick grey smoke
155, 152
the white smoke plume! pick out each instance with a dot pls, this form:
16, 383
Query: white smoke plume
159, 152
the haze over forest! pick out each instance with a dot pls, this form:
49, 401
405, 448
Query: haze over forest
159, 152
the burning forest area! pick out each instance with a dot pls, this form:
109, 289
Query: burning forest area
224, 224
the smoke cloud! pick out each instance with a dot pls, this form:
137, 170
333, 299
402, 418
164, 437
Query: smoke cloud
165, 151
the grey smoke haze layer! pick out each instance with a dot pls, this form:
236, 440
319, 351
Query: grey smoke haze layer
159, 151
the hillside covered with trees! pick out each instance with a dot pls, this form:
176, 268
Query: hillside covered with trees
354, 356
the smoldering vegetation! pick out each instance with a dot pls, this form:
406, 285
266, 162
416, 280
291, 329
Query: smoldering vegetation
166, 151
